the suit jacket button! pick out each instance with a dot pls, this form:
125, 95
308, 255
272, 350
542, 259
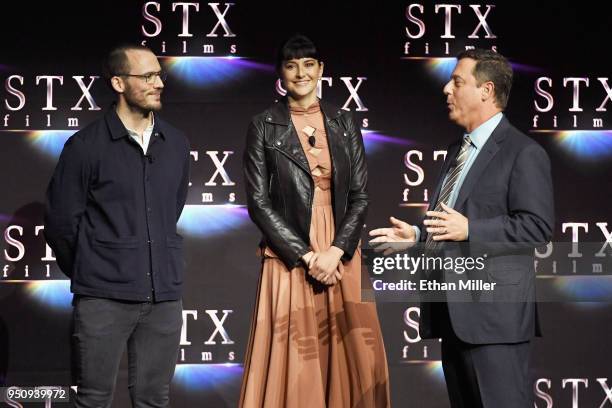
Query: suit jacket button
278, 143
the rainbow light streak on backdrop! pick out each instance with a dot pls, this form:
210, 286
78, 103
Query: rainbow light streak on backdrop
442, 68
374, 141
53, 293
207, 376
526, 69
586, 144
205, 220
585, 288
50, 142
211, 71
434, 369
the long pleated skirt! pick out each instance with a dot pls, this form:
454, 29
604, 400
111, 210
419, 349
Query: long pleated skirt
313, 345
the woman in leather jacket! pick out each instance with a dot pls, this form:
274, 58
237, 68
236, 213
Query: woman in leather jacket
313, 343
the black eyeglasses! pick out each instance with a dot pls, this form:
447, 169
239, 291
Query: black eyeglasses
150, 77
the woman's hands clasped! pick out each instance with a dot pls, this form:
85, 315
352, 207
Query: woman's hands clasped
324, 266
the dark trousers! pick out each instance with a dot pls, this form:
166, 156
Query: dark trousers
484, 375
103, 327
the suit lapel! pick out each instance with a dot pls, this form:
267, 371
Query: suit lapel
489, 150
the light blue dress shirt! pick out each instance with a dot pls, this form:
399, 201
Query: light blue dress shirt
479, 137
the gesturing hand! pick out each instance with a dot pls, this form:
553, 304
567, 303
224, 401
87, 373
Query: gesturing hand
399, 237
449, 225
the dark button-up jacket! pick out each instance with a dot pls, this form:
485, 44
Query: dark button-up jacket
111, 211
280, 188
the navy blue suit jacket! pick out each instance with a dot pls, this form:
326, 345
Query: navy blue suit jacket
507, 197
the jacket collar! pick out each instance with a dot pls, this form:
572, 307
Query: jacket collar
279, 112
489, 149
117, 128
287, 140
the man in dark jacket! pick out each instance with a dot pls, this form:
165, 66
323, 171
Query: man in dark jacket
494, 196
112, 207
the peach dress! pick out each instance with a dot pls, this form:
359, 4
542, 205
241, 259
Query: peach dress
313, 345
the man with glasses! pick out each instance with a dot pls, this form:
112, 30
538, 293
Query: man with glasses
112, 207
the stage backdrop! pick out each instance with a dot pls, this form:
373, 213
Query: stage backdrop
386, 62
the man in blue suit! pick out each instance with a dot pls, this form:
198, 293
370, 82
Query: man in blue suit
494, 197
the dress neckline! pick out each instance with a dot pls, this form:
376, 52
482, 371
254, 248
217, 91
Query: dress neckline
298, 110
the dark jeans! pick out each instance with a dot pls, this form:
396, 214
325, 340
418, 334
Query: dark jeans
102, 328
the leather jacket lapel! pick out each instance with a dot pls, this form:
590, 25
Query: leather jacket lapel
285, 138
335, 141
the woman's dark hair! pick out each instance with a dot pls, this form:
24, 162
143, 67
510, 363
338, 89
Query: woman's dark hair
296, 47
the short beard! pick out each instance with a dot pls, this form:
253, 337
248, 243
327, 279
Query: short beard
145, 109
156, 108
136, 105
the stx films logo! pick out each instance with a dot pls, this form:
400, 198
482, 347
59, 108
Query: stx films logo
444, 30
204, 337
436, 33
188, 28
351, 84
196, 43
344, 88
48, 101
26, 255
571, 103
216, 168
414, 348
592, 392
413, 194
574, 110
577, 254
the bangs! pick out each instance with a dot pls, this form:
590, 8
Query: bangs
296, 47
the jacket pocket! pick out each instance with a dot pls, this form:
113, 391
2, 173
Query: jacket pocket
505, 273
174, 246
124, 242
114, 260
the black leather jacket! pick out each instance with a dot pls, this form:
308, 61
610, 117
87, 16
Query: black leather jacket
280, 188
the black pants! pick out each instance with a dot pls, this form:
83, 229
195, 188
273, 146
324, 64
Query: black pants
103, 327
484, 375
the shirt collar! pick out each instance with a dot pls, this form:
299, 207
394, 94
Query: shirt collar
118, 130
481, 134
148, 129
